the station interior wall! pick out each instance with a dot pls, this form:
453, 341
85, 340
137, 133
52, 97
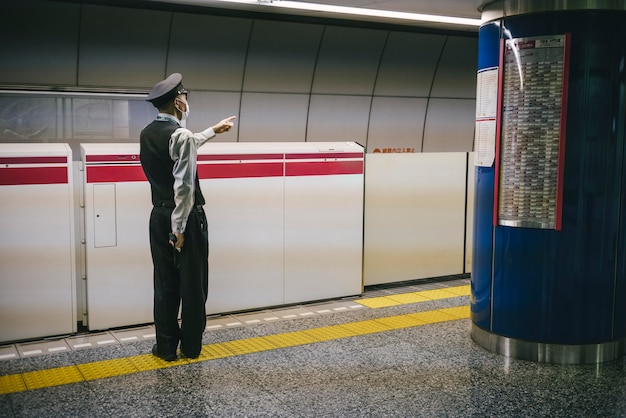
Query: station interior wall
77, 73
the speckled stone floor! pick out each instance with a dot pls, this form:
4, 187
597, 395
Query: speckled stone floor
431, 370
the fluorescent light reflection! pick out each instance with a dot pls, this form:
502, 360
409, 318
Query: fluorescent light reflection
358, 11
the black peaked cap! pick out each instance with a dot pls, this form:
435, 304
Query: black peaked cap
166, 90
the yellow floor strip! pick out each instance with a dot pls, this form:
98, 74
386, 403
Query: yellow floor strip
414, 297
52, 377
108, 368
12, 383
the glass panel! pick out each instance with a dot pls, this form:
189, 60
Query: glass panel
37, 118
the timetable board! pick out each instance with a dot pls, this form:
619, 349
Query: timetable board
532, 141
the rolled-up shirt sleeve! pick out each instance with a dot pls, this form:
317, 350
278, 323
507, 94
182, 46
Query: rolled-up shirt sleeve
183, 149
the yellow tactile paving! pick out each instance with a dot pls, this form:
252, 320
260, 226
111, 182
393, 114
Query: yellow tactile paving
212, 352
145, 362
436, 294
249, 345
365, 327
52, 377
458, 311
12, 383
134, 364
432, 317
414, 297
405, 298
332, 332
107, 368
379, 302
290, 339
400, 321
459, 290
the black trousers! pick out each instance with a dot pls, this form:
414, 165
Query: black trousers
179, 277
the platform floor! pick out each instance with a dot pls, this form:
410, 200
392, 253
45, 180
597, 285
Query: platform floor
392, 352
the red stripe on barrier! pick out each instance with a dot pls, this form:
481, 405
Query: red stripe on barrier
237, 157
111, 174
323, 168
227, 171
127, 173
322, 155
112, 158
33, 160
32, 175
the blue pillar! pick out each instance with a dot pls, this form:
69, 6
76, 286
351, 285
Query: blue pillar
557, 293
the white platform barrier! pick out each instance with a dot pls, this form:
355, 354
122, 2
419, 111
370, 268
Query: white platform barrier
37, 264
285, 226
414, 216
117, 209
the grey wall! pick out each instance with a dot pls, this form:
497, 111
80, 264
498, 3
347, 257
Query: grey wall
393, 91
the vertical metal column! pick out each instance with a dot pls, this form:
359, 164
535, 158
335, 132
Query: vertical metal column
554, 291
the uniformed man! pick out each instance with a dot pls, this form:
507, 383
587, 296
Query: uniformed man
178, 226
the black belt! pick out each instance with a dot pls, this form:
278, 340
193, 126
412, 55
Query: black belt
172, 205
164, 204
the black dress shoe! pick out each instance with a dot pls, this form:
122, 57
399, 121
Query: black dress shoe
183, 355
165, 357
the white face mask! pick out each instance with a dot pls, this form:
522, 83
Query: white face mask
185, 113
184, 116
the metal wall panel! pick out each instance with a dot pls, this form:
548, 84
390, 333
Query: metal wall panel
456, 73
408, 64
396, 124
281, 57
333, 118
209, 51
39, 42
273, 117
449, 125
208, 108
348, 60
121, 47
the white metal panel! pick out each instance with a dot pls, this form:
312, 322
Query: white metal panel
323, 237
104, 229
245, 220
245, 214
119, 277
414, 216
37, 276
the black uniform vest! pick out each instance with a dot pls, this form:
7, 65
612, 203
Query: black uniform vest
157, 165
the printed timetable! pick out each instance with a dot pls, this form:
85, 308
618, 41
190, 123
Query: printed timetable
534, 101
